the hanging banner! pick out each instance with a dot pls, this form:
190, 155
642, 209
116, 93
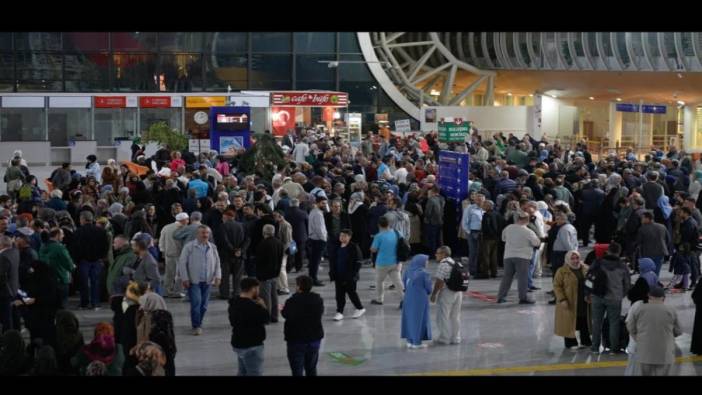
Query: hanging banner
155, 101
403, 126
205, 101
110, 101
310, 99
283, 120
536, 132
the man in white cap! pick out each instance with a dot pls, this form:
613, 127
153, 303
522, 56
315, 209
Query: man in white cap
171, 248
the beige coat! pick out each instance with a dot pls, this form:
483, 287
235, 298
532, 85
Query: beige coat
565, 286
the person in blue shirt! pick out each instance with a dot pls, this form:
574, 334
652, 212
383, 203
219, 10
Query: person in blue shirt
385, 249
472, 226
201, 187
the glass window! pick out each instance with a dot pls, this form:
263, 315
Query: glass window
7, 66
39, 86
5, 41
309, 68
136, 41
111, 123
224, 70
39, 66
37, 41
135, 72
348, 42
271, 85
230, 42
183, 41
354, 71
86, 72
150, 116
270, 41
180, 73
7, 86
360, 93
67, 124
315, 85
317, 42
271, 68
84, 41
22, 124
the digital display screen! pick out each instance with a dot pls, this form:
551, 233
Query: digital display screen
232, 122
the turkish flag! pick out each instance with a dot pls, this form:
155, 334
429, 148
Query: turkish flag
283, 119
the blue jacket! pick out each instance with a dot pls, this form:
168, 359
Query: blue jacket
200, 187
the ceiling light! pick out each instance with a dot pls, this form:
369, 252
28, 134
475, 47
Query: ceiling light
619, 99
554, 96
681, 103
509, 93
531, 95
434, 92
592, 98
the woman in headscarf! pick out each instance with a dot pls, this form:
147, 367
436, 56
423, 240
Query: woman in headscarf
151, 360
155, 323
647, 280
104, 349
572, 311
14, 360
69, 341
358, 216
416, 320
606, 223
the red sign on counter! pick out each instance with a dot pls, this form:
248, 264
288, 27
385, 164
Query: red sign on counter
110, 101
310, 99
155, 102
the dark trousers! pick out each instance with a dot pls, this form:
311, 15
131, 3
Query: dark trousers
6, 315
581, 326
250, 266
232, 269
694, 267
303, 357
432, 235
344, 288
584, 225
473, 251
557, 260
315, 256
332, 247
488, 257
300, 255
62, 291
90, 275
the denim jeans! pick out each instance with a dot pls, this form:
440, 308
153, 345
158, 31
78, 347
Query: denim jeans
90, 274
658, 261
199, 295
250, 360
473, 251
532, 268
303, 357
613, 308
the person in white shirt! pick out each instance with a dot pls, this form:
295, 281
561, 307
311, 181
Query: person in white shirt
401, 174
481, 154
520, 243
300, 152
448, 316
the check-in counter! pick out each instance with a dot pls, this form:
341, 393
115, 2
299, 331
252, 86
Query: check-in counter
37, 153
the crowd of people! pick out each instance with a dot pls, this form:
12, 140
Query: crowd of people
178, 225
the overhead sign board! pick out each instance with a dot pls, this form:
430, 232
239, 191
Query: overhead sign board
453, 174
453, 130
310, 99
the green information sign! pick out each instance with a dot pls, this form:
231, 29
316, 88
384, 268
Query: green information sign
453, 132
346, 359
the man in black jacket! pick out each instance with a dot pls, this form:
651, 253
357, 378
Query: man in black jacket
343, 270
298, 219
303, 327
232, 257
335, 220
491, 226
689, 237
9, 282
248, 316
269, 258
90, 244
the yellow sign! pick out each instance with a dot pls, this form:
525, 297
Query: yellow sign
205, 101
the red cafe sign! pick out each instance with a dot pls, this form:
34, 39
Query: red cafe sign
310, 99
110, 101
155, 102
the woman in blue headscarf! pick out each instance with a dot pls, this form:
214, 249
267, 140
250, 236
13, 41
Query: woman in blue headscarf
416, 321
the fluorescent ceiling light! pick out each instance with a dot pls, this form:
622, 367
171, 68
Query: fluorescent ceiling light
592, 98
509, 93
619, 99
681, 103
434, 92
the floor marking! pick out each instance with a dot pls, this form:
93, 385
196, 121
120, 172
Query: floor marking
491, 345
481, 296
544, 368
346, 359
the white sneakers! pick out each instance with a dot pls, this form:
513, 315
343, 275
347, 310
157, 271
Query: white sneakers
415, 347
197, 331
356, 314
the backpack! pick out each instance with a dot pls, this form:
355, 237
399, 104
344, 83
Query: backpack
403, 248
458, 279
25, 192
596, 280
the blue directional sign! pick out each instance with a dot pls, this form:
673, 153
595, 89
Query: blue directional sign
646, 108
453, 174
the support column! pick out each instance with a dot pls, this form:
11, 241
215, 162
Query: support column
615, 126
689, 129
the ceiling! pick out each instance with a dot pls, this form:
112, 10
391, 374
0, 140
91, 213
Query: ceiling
652, 87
